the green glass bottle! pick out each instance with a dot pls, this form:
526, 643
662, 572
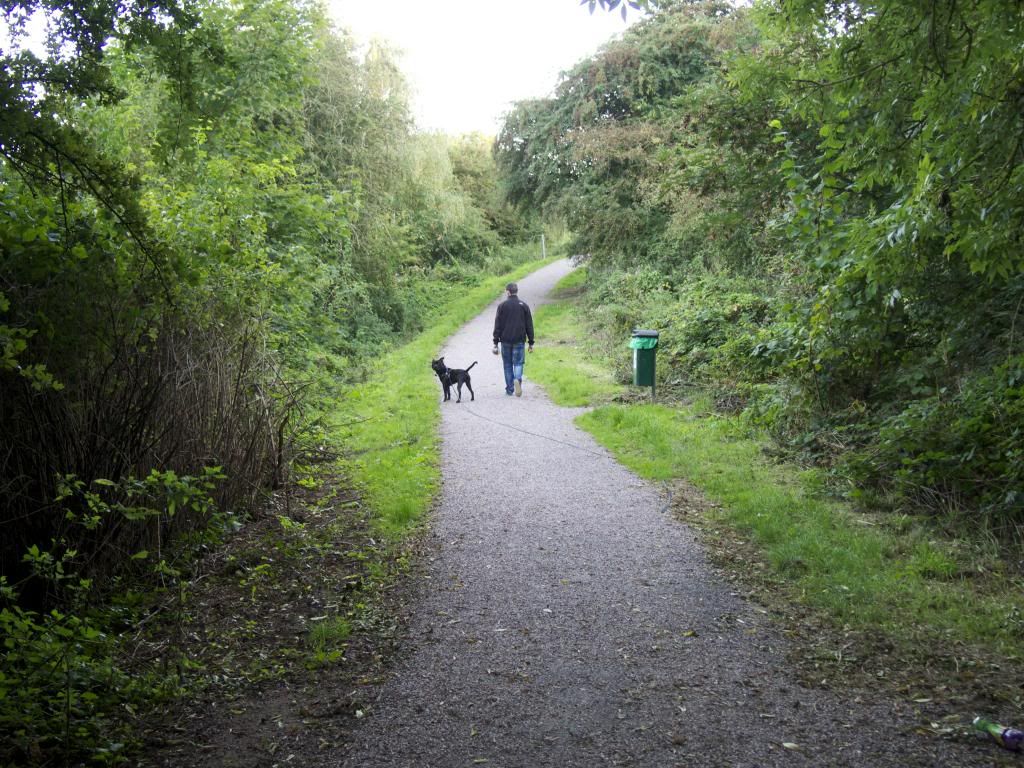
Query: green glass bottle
1007, 738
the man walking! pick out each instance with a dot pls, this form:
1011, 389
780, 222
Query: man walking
513, 327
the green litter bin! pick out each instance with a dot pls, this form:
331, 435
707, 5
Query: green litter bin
644, 343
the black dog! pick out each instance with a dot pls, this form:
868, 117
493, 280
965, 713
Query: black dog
449, 376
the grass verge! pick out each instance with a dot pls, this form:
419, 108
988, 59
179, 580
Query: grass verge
862, 574
562, 364
563, 361
389, 424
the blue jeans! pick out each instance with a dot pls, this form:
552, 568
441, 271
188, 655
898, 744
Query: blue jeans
512, 357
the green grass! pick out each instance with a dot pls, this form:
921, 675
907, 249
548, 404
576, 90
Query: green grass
389, 425
572, 283
562, 361
326, 640
329, 633
861, 574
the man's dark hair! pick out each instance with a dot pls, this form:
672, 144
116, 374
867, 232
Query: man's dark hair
512, 288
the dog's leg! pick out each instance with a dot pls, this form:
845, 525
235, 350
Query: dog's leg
469, 386
459, 387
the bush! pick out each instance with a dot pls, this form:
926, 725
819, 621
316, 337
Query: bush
64, 690
956, 451
709, 326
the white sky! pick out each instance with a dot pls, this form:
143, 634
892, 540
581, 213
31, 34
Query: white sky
468, 60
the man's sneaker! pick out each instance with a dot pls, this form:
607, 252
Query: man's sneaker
519, 387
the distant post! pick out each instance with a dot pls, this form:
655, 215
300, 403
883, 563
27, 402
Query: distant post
543, 247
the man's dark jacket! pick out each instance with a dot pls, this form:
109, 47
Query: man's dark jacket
513, 324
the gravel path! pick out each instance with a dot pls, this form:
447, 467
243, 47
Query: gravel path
569, 620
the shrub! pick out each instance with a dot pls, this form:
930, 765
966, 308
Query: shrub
955, 451
63, 687
709, 326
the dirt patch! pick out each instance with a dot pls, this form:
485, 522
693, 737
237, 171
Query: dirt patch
282, 628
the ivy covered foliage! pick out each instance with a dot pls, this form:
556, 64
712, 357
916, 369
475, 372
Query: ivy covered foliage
821, 206
212, 215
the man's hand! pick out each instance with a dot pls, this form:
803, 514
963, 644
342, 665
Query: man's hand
495, 350
530, 348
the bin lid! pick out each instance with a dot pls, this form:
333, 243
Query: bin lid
643, 339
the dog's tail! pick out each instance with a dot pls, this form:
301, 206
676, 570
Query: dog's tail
474, 363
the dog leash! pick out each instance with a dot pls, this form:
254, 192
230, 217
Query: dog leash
535, 434
665, 486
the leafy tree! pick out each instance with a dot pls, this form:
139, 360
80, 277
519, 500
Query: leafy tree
475, 171
595, 152
905, 205
611, 5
